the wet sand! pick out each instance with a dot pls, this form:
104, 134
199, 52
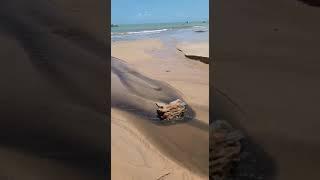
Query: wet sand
267, 63
148, 72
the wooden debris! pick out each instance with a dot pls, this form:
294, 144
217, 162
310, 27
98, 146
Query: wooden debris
163, 176
225, 149
172, 111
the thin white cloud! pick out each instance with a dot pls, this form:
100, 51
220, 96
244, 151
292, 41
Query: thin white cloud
144, 14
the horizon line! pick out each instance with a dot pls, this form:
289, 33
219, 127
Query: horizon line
207, 20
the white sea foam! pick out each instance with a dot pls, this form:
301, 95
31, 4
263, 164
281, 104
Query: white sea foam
138, 32
148, 31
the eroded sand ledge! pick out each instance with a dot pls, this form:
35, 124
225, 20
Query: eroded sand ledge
195, 51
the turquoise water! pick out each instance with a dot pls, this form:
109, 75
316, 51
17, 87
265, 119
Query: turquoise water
127, 28
177, 30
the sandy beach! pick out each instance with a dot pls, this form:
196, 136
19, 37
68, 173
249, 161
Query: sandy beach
147, 71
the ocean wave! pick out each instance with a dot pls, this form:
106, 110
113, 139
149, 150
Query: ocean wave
139, 32
148, 31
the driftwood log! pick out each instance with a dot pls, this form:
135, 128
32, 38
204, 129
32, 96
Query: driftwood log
172, 111
225, 149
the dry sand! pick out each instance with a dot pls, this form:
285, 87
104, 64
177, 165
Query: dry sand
267, 62
151, 71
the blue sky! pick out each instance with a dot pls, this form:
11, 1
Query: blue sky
156, 11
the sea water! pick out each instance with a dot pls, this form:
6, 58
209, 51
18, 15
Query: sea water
180, 31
